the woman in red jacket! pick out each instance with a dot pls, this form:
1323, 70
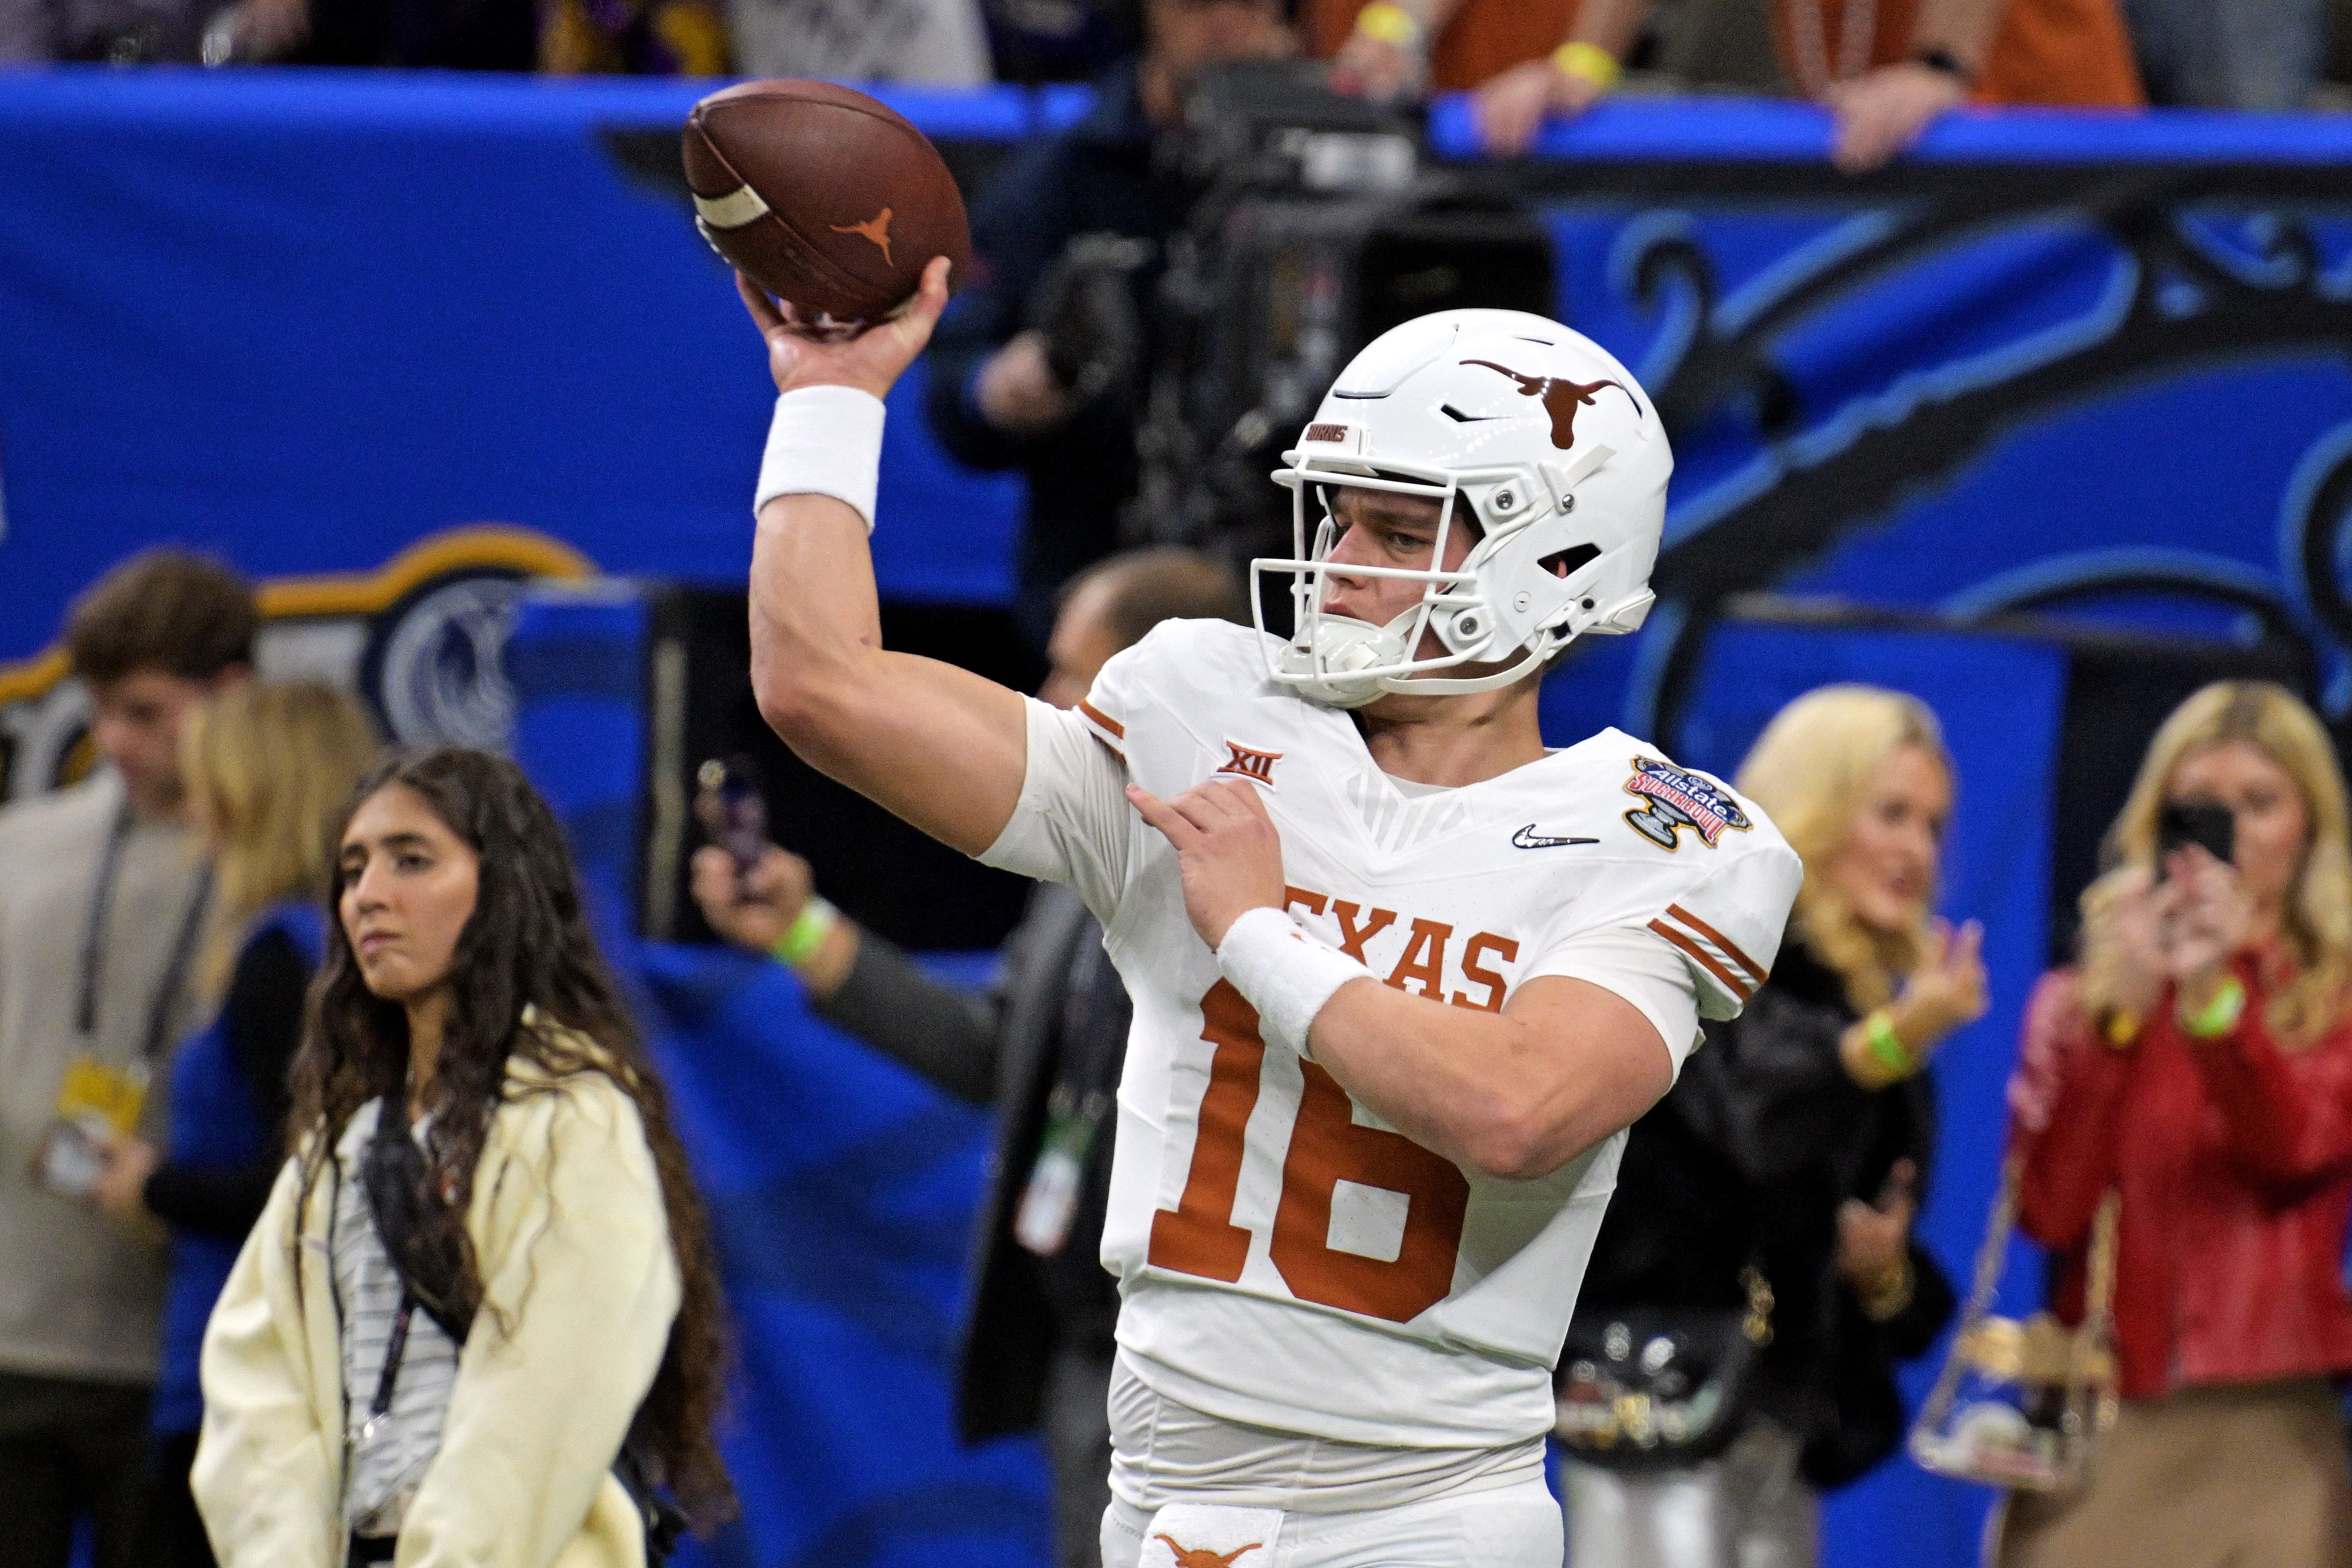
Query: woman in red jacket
2199, 1063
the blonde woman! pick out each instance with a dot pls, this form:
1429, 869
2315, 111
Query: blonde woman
1781, 1175
268, 767
2199, 1062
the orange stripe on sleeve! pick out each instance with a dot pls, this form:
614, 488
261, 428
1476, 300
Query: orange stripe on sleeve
1103, 720
1731, 982
1720, 940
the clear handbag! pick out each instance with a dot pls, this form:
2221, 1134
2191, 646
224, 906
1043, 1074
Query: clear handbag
2023, 1403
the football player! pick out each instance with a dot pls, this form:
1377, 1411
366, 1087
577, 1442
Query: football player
1401, 976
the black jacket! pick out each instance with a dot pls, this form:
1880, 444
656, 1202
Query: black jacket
1096, 177
1057, 993
1747, 1161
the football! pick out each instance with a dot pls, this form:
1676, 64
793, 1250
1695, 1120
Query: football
826, 198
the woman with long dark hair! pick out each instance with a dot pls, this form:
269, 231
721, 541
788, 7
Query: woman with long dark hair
479, 1321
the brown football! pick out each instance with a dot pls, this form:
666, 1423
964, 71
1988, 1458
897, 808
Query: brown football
823, 197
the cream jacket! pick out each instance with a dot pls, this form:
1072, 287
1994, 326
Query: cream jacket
568, 1225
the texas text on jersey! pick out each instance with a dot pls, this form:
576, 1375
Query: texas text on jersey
1287, 1260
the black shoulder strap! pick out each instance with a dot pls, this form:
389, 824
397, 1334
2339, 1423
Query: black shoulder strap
393, 1176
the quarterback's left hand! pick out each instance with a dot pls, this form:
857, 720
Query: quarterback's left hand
1228, 851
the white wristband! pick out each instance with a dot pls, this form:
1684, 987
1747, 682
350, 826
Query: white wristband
824, 440
1282, 974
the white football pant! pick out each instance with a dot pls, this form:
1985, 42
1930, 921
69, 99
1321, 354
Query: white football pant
1516, 1526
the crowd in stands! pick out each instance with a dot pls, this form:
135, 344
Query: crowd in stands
1886, 67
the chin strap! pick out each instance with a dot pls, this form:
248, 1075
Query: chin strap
1546, 644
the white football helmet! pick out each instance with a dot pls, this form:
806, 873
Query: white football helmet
1556, 454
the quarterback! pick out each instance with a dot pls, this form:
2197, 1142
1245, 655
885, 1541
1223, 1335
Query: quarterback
1401, 976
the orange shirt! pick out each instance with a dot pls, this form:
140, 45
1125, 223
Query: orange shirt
2045, 51
2073, 52
1483, 38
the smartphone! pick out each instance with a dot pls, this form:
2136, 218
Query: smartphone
72, 1156
2183, 824
733, 811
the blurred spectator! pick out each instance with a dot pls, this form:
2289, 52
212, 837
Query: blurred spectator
2233, 54
1385, 48
2199, 1062
637, 37
1781, 1175
939, 42
1045, 1046
120, 32
100, 909
1059, 40
483, 1161
441, 35
268, 769
1886, 68
995, 399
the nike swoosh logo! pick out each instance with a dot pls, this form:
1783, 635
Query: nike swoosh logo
1527, 838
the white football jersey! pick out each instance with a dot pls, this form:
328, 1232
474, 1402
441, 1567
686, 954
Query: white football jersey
1286, 1259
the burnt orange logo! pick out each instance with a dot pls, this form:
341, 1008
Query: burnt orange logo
1561, 399
876, 228
1202, 1557
1251, 764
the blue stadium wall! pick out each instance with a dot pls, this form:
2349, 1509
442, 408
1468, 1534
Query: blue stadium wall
381, 339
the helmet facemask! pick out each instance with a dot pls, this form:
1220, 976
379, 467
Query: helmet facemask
1347, 662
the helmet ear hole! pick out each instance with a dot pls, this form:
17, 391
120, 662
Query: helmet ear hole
1566, 563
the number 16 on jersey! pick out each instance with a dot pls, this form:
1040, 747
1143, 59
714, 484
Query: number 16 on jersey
1330, 1157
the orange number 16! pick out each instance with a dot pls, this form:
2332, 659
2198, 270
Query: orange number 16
1327, 1146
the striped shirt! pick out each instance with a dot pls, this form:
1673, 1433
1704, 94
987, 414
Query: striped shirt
386, 1459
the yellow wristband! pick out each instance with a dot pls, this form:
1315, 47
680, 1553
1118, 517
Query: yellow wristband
1388, 23
1588, 62
2218, 1017
1887, 1047
807, 933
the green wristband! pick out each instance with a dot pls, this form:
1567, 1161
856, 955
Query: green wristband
817, 919
2218, 1017
1887, 1047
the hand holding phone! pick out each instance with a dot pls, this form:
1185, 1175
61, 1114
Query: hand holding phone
2204, 823
731, 808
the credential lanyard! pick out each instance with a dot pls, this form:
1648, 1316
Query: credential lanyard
395, 1350
93, 945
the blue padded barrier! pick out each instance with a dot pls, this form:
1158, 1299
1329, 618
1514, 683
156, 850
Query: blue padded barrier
840, 1186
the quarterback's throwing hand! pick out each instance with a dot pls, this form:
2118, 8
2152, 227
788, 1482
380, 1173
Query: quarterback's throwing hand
801, 356
1227, 851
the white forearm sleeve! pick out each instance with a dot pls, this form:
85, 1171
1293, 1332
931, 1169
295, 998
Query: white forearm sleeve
1283, 974
824, 440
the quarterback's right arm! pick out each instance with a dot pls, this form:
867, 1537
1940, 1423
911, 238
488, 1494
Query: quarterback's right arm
940, 747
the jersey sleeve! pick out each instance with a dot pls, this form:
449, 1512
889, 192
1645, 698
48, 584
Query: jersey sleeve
1728, 926
1631, 961
1072, 823
1689, 948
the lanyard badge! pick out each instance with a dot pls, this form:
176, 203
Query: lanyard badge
100, 1103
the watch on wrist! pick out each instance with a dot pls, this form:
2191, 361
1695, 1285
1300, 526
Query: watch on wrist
1948, 63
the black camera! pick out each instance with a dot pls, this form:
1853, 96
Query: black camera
1317, 226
